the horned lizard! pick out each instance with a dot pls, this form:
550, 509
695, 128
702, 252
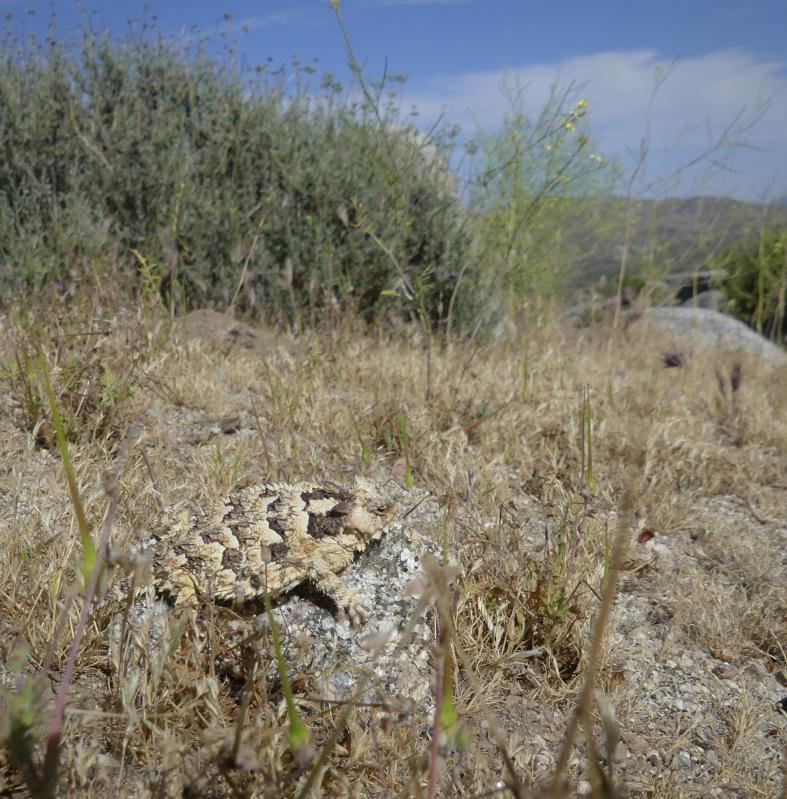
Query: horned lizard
271, 538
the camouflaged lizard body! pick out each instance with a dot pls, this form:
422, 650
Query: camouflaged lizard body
271, 538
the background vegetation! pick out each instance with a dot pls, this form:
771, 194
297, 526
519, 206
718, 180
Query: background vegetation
138, 161
757, 284
142, 163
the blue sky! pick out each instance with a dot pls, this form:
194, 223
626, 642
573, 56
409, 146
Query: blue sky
728, 59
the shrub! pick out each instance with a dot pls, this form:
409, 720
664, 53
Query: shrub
537, 198
229, 188
757, 280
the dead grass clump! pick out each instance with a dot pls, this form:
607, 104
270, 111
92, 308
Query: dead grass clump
93, 365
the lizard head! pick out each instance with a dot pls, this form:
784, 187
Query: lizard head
366, 511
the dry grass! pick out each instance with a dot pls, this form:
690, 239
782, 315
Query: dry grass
498, 438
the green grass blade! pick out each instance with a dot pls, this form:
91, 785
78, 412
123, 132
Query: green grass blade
88, 547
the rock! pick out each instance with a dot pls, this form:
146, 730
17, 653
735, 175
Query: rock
339, 655
713, 300
597, 309
692, 329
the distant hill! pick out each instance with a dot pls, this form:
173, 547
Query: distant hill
673, 235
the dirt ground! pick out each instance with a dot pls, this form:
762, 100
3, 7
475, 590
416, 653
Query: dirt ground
525, 504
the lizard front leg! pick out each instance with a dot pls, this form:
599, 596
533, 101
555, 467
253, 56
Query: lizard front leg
347, 601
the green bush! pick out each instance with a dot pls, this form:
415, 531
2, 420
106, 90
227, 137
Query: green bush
222, 186
756, 285
537, 201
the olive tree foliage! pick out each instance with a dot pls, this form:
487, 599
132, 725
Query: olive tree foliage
142, 163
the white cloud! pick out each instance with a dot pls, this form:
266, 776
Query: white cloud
697, 100
292, 16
